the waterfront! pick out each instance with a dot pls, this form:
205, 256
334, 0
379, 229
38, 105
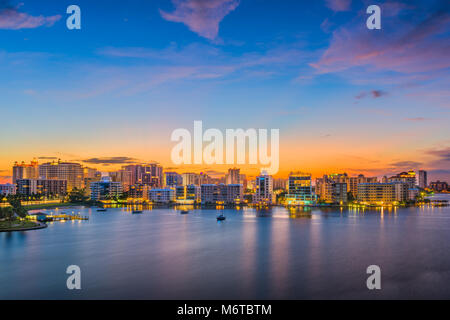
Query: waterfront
252, 255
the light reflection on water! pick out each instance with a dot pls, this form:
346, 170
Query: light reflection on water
254, 254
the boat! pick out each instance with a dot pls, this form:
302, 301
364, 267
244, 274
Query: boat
184, 211
136, 211
221, 217
101, 210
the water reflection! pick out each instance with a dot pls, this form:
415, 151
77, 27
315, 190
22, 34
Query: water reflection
275, 253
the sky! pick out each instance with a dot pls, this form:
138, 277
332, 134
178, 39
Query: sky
345, 98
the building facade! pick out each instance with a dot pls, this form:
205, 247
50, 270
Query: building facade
172, 179
25, 171
44, 187
187, 194
139, 192
405, 177
423, 179
166, 195
233, 176
264, 189
7, 189
105, 189
300, 189
439, 186
71, 172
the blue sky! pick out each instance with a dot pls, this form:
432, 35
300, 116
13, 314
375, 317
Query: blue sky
344, 98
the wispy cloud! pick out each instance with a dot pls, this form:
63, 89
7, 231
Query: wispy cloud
111, 160
406, 164
338, 5
374, 94
417, 119
11, 18
411, 46
201, 16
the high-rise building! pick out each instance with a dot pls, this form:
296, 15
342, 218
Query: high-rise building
166, 195
105, 189
331, 189
25, 171
71, 172
222, 193
187, 194
300, 189
352, 183
138, 191
209, 193
148, 174
383, 193
405, 177
190, 178
423, 183
233, 176
280, 184
124, 177
172, 179
376, 193
44, 187
243, 181
264, 189
7, 189
235, 193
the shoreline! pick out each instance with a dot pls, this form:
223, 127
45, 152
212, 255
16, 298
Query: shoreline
39, 225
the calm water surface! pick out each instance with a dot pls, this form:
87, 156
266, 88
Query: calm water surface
252, 255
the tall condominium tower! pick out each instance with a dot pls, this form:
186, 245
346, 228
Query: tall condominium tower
423, 183
69, 171
25, 171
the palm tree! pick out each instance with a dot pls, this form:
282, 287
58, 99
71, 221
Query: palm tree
6, 213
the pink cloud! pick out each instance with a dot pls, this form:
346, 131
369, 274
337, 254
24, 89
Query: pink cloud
201, 16
406, 48
12, 19
338, 5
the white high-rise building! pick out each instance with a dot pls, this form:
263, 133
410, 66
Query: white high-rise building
264, 189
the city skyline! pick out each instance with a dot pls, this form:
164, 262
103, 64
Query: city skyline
48, 170
346, 99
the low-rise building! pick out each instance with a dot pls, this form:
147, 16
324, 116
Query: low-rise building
439, 186
166, 195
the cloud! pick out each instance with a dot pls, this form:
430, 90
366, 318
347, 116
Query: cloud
406, 164
326, 25
214, 173
441, 154
201, 16
195, 62
11, 18
374, 94
110, 160
48, 158
410, 46
417, 119
338, 5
